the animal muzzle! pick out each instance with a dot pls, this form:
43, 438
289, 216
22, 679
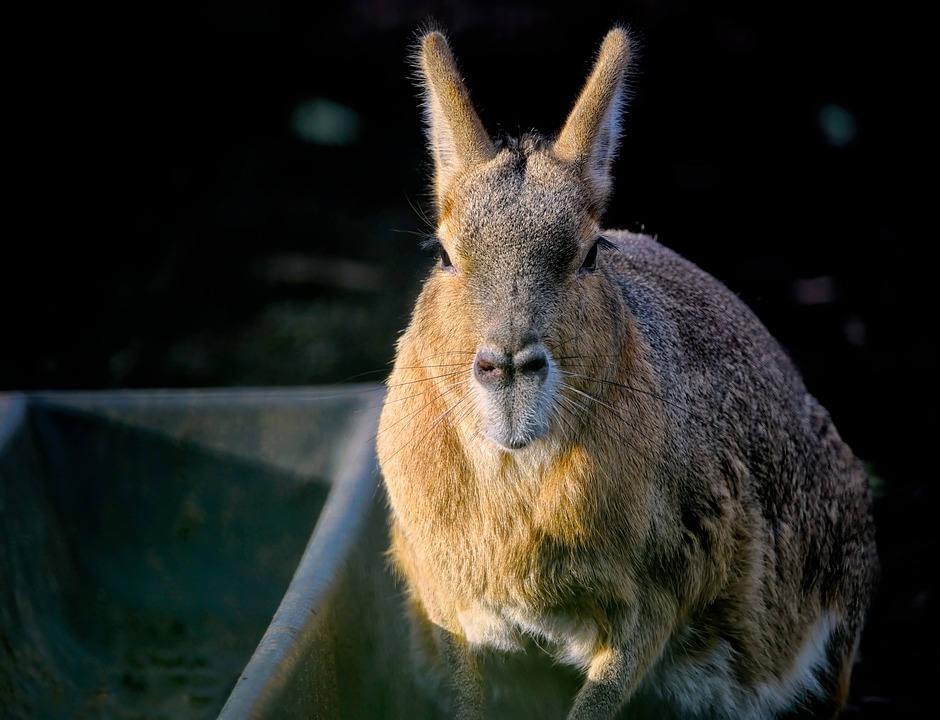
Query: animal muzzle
514, 393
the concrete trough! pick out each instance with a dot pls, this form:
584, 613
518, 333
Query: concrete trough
197, 554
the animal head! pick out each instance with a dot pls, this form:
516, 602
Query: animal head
521, 295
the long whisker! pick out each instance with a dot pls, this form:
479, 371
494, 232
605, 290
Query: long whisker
422, 215
621, 385
721, 412
582, 400
400, 397
563, 410
439, 380
461, 400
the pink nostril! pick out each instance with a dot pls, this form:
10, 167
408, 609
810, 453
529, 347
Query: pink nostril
490, 366
485, 366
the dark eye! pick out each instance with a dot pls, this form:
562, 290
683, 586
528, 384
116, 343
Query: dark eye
432, 243
590, 260
445, 259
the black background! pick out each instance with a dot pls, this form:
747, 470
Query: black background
167, 227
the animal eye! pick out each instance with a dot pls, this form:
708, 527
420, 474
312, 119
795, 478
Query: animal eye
590, 260
445, 259
435, 244
589, 264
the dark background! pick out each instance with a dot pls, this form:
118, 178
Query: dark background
183, 213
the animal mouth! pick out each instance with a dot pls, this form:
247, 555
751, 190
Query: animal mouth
511, 444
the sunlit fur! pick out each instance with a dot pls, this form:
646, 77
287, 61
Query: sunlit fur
663, 506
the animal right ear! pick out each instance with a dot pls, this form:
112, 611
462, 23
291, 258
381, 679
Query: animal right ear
456, 136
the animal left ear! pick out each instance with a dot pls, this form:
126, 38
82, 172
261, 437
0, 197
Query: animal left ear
591, 133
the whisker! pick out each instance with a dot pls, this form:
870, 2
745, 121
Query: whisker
426, 378
440, 418
444, 391
560, 412
615, 429
427, 366
359, 376
621, 385
422, 215
682, 407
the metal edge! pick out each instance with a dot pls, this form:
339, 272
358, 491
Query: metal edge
295, 623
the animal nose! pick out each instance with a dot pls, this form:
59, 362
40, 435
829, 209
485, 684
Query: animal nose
493, 366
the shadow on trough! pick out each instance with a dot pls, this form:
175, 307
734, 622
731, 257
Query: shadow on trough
148, 538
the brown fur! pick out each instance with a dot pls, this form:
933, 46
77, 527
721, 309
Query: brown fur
617, 461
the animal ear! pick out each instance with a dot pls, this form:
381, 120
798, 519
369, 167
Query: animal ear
456, 136
591, 132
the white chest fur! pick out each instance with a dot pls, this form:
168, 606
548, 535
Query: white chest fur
571, 639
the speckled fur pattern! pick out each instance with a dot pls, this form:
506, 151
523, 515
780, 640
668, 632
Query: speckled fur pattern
591, 443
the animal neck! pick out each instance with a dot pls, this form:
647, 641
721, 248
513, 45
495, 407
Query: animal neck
543, 487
